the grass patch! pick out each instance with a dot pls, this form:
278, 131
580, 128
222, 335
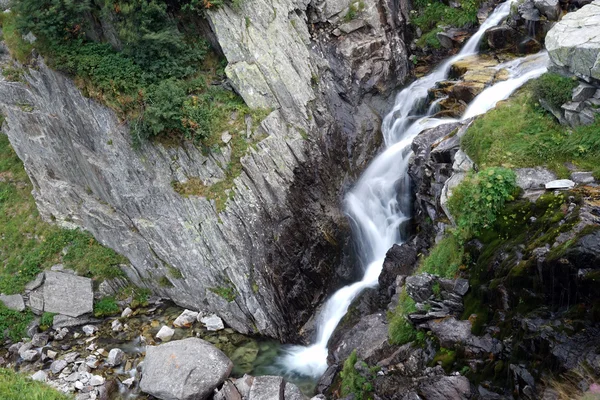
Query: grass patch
14, 323
432, 16
14, 386
105, 307
519, 133
227, 292
400, 330
445, 258
554, 88
46, 321
446, 358
18, 48
29, 245
353, 383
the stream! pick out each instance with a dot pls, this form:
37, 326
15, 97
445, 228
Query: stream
380, 202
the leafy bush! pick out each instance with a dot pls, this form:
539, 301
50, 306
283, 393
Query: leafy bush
554, 88
352, 381
477, 200
15, 386
14, 323
105, 307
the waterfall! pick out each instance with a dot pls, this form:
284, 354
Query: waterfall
379, 203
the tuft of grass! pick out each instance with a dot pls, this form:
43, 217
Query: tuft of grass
400, 330
174, 272
105, 307
353, 383
227, 292
14, 323
30, 245
46, 321
446, 357
519, 133
14, 386
163, 281
444, 259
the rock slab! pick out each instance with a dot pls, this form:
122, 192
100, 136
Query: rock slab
68, 294
188, 369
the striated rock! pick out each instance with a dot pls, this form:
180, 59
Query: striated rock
13, 302
447, 387
186, 369
574, 42
68, 294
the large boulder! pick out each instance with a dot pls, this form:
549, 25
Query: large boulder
68, 294
188, 369
574, 42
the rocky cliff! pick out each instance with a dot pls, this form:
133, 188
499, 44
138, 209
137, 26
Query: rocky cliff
265, 261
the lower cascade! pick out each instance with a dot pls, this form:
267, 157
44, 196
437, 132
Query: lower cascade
380, 201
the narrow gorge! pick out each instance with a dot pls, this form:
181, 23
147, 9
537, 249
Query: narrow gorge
356, 224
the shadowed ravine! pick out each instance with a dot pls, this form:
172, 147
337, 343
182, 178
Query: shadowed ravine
380, 202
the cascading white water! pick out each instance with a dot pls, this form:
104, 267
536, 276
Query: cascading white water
380, 201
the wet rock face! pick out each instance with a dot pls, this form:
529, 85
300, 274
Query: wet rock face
276, 247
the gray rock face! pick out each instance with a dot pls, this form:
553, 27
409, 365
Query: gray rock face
574, 42
369, 338
549, 8
14, 301
267, 388
68, 294
187, 369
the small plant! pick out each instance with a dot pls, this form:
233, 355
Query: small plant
445, 357
174, 272
163, 281
105, 307
247, 19
437, 290
46, 321
352, 381
13, 74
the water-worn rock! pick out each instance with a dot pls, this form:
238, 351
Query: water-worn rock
188, 369
186, 319
13, 301
68, 294
165, 333
574, 42
115, 357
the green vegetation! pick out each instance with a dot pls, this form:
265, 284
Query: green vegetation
29, 245
14, 323
432, 16
228, 292
477, 200
105, 307
400, 330
353, 382
519, 133
139, 296
444, 259
353, 10
163, 281
174, 272
14, 386
553, 88
445, 357
46, 321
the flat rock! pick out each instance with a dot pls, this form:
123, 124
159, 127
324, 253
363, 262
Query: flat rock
573, 42
68, 294
36, 283
188, 369
212, 322
533, 178
64, 321
14, 301
560, 184
267, 388
582, 177
352, 26
57, 366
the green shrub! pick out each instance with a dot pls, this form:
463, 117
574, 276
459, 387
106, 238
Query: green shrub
105, 307
14, 323
554, 88
352, 381
477, 200
14, 386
